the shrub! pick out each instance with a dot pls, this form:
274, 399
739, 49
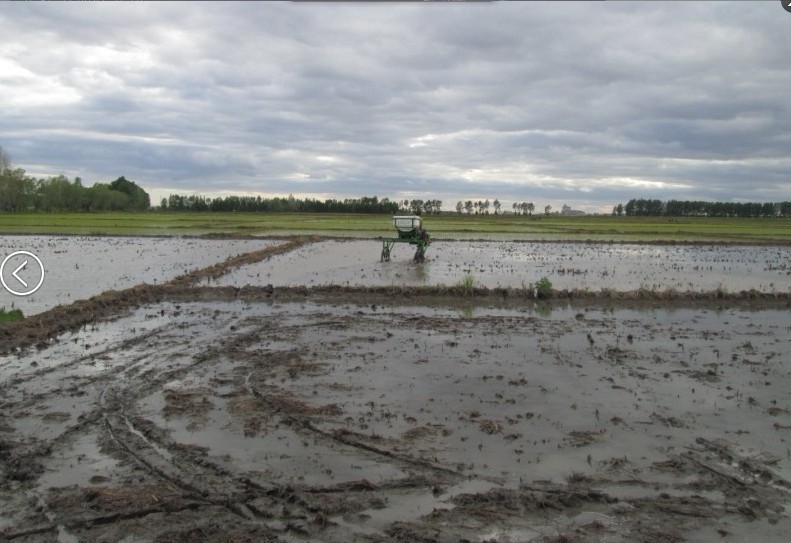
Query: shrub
646, 292
467, 284
543, 288
608, 292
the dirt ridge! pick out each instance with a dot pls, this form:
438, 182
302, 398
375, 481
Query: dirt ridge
38, 329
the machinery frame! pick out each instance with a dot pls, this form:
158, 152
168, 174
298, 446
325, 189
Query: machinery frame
410, 230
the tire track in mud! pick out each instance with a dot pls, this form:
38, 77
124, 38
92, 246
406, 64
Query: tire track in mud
740, 471
274, 405
115, 402
348, 438
205, 482
93, 417
121, 429
36, 448
38, 374
201, 479
301, 423
99, 520
203, 486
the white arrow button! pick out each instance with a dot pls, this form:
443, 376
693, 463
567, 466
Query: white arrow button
28, 268
14, 273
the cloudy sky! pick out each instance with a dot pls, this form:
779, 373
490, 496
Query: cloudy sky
587, 104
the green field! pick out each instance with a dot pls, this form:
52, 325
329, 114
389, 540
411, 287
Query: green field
503, 227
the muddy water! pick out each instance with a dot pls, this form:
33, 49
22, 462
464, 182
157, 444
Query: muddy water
354, 421
516, 264
79, 267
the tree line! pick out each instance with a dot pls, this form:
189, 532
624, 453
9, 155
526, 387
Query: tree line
365, 204
481, 207
178, 202
21, 192
683, 208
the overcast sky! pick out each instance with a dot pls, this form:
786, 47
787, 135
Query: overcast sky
587, 104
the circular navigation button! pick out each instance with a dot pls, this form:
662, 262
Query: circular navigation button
22, 273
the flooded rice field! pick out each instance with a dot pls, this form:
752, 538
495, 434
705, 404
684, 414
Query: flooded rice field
195, 410
593, 266
78, 267
81, 266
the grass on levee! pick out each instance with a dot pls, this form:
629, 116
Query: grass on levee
446, 226
10, 315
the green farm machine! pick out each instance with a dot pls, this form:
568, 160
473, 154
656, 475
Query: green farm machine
410, 230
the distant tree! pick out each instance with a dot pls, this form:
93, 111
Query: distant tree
17, 191
684, 208
769, 210
432, 206
468, 206
100, 197
59, 194
530, 208
497, 205
547, 209
5, 161
139, 199
459, 207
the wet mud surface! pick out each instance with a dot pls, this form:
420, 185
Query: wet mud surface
189, 412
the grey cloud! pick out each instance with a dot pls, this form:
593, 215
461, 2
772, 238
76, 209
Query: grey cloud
594, 103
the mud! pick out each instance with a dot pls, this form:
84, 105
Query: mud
193, 412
